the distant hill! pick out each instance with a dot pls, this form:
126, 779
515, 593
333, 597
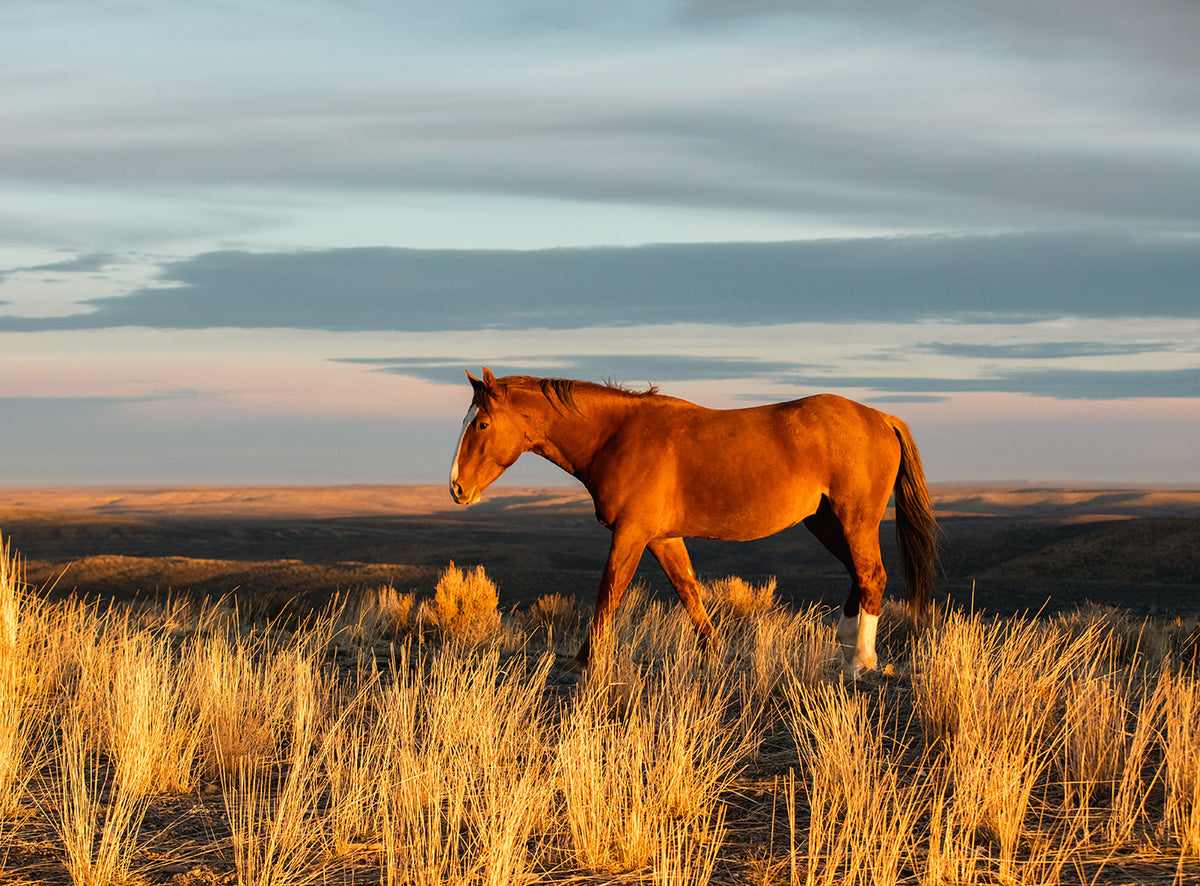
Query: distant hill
1005, 548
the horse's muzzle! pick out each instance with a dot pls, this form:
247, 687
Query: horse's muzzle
463, 497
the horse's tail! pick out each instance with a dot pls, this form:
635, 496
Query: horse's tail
916, 529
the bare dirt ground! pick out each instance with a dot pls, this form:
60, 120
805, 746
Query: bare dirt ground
1006, 549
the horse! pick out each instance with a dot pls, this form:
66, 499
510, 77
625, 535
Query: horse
660, 469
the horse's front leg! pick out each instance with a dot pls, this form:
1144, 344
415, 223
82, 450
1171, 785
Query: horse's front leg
672, 556
623, 557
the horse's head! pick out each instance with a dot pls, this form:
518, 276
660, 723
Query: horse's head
492, 438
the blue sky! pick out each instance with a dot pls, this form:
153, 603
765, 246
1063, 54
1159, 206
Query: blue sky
259, 242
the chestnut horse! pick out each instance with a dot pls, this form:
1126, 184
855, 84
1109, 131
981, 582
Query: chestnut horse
660, 469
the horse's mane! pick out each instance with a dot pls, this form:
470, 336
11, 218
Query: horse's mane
614, 385
564, 390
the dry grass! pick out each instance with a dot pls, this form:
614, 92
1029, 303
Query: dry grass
19, 690
87, 805
398, 741
645, 755
385, 614
740, 599
147, 709
1181, 700
466, 766
556, 621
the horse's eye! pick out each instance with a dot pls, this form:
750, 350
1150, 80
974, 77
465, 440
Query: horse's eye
482, 425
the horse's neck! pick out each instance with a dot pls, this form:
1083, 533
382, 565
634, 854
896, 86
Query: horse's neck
572, 440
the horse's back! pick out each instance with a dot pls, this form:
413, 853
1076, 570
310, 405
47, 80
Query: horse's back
748, 473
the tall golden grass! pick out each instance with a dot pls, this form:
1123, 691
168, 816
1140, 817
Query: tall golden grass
433, 742
19, 689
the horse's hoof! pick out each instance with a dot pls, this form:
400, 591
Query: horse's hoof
855, 672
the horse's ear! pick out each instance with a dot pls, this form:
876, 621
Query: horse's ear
486, 384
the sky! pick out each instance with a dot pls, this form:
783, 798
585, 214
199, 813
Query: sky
260, 242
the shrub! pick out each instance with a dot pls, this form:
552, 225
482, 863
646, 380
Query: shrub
464, 605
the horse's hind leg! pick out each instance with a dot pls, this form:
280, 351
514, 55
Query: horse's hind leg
672, 556
859, 553
828, 531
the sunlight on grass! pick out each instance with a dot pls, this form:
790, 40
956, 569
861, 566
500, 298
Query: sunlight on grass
424, 738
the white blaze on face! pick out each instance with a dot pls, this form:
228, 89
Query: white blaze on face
471, 413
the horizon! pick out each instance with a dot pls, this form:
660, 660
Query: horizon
505, 486
223, 264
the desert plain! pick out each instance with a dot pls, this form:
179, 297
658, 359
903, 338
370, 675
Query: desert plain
1008, 548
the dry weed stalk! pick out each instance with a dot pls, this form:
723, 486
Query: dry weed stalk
555, 620
271, 804
1139, 776
255, 698
992, 696
688, 850
353, 758
799, 646
275, 834
239, 708
1049, 741
1096, 742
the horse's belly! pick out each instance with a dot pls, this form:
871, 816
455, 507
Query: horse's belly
745, 518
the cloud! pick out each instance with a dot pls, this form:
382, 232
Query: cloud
1043, 350
1059, 384
87, 263
866, 114
627, 368
906, 398
911, 279
1161, 32
39, 407
36, 403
